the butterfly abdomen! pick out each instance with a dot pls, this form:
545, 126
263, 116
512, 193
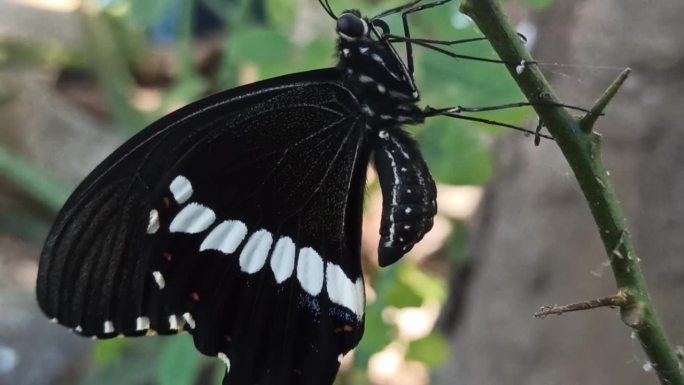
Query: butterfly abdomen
408, 194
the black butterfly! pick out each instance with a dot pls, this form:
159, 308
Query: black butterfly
238, 218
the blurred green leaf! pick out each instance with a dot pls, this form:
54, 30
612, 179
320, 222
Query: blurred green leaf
316, 54
432, 350
108, 351
428, 287
457, 244
282, 14
402, 295
24, 53
180, 362
455, 153
34, 181
184, 91
113, 73
134, 364
148, 13
538, 3
269, 50
377, 335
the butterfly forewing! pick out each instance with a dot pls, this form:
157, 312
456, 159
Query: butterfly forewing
238, 218
211, 222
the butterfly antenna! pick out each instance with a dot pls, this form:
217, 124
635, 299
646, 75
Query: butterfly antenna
455, 113
327, 8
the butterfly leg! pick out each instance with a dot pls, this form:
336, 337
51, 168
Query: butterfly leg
407, 31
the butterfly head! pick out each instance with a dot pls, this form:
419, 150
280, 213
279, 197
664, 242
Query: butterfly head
351, 26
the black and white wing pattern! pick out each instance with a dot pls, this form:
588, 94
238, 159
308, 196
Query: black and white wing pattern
237, 219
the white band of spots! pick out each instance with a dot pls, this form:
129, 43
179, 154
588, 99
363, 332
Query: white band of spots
255, 251
159, 278
193, 218
310, 270
153, 222
173, 322
181, 189
282, 259
226, 237
223, 357
142, 323
344, 292
108, 327
189, 320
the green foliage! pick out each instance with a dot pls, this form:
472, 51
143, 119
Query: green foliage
33, 180
538, 3
399, 286
432, 350
455, 153
107, 352
180, 362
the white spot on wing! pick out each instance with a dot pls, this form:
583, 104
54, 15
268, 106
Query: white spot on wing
153, 223
159, 278
366, 79
78, 329
142, 323
282, 259
310, 270
363, 49
226, 237
255, 252
173, 322
189, 320
108, 327
223, 357
360, 291
381, 88
181, 189
342, 290
194, 218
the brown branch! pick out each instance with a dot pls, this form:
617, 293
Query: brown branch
617, 300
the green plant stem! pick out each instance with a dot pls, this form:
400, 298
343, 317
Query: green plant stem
582, 149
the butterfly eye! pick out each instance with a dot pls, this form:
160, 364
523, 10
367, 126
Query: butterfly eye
351, 27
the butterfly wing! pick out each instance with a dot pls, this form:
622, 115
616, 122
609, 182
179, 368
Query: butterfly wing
237, 219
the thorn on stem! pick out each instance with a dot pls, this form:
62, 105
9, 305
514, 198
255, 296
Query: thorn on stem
617, 300
587, 122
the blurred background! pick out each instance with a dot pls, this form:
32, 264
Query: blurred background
78, 77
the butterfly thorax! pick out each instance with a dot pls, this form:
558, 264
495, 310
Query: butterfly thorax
375, 74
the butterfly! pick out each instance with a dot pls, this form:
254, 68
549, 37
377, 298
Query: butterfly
238, 218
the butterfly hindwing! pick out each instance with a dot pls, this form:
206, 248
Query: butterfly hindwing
236, 219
